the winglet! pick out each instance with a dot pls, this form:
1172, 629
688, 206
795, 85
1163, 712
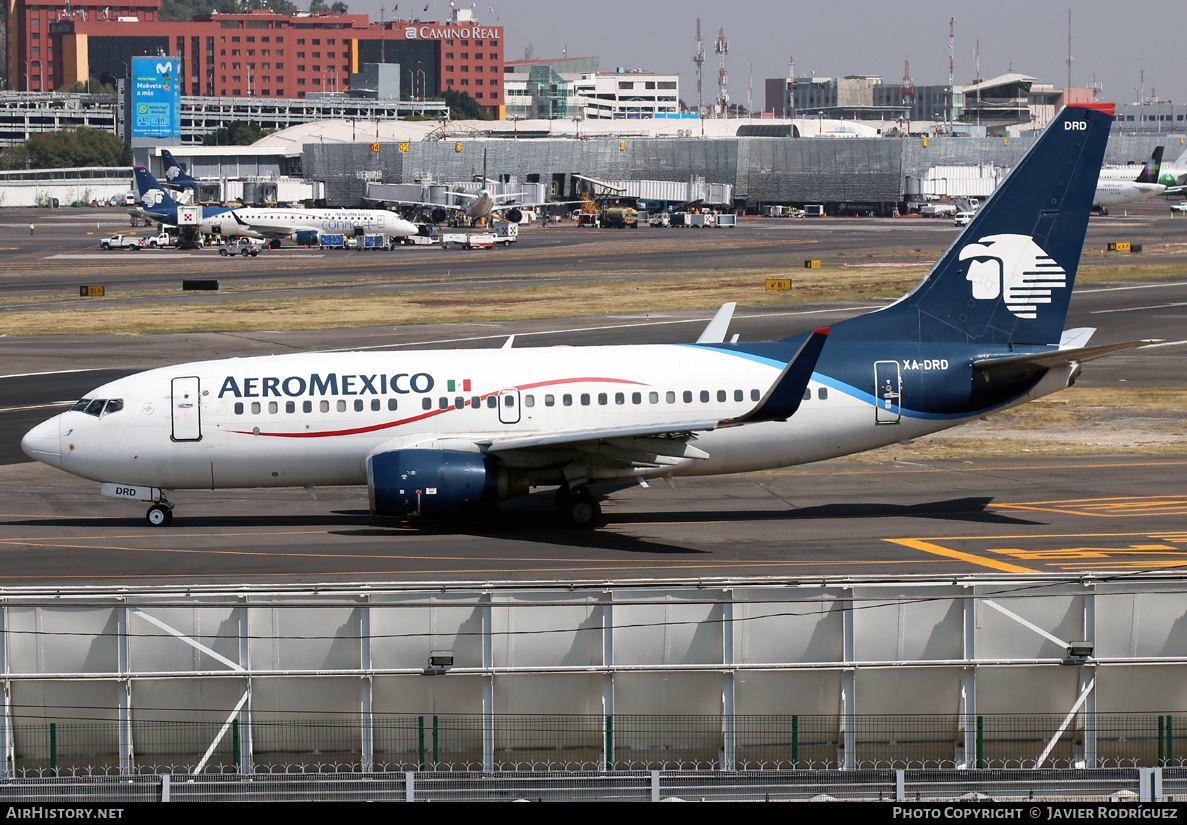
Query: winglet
784, 397
716, 330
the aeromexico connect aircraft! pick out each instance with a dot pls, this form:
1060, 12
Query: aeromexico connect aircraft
272, 224
436, 433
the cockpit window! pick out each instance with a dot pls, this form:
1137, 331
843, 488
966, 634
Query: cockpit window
99, 406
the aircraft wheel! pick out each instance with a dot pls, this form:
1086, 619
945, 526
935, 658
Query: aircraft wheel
158, 516
275, 244
579, 507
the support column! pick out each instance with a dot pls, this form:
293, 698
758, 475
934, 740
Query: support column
7, 734
125, 691
1088, 682
728, 732
848, 688
607, 679
366, 735
488, 688
246, 758
968, 685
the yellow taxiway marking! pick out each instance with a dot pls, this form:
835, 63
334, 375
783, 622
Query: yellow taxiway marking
1107, 507
980, 561
997, 468
1155, 552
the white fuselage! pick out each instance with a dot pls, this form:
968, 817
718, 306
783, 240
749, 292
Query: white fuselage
300, 420
1114, 192
284, 222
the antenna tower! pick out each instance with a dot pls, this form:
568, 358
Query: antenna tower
698, 58
722, 47
1069, 47
951, 49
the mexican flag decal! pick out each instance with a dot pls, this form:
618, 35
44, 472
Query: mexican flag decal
454, 386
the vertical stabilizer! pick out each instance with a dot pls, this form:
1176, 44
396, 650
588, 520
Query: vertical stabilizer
1149, 173
1007, 278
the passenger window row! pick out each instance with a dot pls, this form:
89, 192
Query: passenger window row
585, 399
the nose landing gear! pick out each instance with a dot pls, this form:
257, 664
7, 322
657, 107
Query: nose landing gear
160, 514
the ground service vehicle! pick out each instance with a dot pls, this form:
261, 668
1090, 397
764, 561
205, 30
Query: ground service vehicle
122, 242
243, 247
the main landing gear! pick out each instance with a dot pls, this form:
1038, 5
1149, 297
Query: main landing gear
578, 506
160, 514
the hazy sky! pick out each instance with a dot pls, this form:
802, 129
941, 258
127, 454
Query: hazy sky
840, 38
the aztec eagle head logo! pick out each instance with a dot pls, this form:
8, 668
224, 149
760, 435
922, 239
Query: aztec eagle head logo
1015, 268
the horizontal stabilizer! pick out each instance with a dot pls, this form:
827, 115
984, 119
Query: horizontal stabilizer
1053, 358
1077, 337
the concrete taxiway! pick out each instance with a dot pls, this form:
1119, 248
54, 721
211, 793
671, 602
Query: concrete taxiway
953, 516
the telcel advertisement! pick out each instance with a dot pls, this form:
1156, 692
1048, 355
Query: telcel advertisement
156, 97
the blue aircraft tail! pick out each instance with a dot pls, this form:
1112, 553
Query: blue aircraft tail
152, 194
1007, 278
175, 173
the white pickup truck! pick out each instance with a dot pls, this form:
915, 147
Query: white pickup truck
122, 242
161, 241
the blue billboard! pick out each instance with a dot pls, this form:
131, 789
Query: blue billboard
156, 97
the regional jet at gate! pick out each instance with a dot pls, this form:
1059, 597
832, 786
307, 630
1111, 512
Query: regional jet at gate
442, 432
304, 226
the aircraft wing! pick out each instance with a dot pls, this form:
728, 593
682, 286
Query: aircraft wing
669, 439
1035, 362
269, 231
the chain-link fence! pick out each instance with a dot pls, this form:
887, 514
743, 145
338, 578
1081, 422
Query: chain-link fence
457, 742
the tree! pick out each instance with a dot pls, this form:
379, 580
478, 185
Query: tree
318, 5
93, 86
239, 133
464, 107
77, 147
339, 7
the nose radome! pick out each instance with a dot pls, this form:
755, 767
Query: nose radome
43, 443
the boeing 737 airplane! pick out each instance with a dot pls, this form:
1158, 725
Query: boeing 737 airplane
444, 432
273, 224
1116, 187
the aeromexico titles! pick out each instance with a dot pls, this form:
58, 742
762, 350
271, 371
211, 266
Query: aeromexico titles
441, 432
272, 224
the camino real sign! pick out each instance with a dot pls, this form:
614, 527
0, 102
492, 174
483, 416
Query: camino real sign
156, 97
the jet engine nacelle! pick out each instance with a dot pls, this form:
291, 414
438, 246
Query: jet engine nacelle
513, 215
306, 237
438, 215
435, 483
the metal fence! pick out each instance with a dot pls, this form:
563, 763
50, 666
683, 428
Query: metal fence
459, 743
885, 785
